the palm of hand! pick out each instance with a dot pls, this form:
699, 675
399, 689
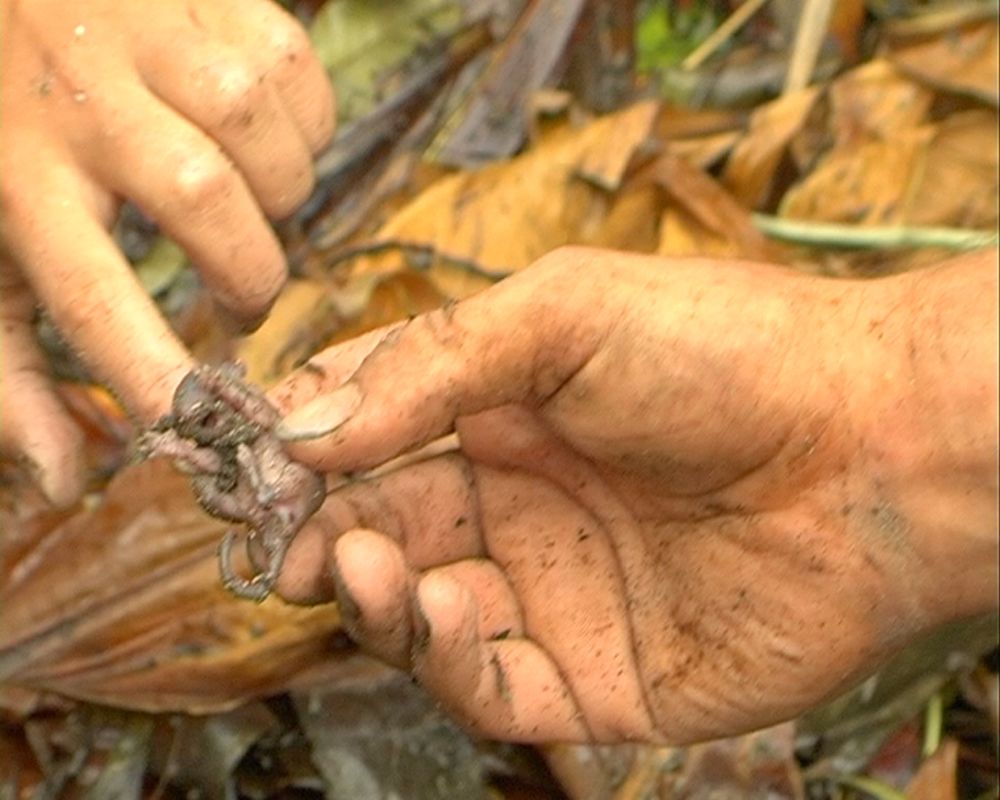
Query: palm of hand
607, 591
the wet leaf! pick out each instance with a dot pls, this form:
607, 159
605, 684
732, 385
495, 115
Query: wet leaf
492, 120
122, 605
377, 738
124, 768
758, 765
203, 752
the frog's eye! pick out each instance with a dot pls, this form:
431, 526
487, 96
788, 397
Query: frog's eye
208, 420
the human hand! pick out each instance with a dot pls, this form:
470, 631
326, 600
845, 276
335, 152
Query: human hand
690, 498
205, 115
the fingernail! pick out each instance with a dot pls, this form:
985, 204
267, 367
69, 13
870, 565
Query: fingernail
321, 416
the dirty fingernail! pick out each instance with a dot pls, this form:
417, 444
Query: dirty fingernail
320, 416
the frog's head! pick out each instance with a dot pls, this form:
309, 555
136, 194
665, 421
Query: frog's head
199, 414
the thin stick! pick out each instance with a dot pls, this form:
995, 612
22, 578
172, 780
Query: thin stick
826, 234
722, 34
813, 21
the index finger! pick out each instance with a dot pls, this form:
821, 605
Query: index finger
77, 272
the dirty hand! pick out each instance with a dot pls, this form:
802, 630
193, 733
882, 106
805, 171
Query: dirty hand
206, 115
690, 498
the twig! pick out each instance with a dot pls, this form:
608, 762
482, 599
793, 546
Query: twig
813, 21
933, 723
826, 234
722, 34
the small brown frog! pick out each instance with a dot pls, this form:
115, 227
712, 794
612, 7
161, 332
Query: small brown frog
221, 432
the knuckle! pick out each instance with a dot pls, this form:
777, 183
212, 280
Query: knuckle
237, 91
202, 181
288, 43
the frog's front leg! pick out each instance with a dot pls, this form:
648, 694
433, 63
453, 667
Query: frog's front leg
186, 454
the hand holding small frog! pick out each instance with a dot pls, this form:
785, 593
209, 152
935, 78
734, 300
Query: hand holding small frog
221, 431
690, 498
206, 115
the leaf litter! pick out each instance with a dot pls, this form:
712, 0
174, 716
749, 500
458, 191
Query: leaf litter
470, 144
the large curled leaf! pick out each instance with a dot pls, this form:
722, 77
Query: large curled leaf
122, 605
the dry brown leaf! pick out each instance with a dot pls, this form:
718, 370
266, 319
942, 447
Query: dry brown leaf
631, 222
957, 184
705, 151
723, 228
937, 778
963, 61
874, 103
262, 352
481, 225
683, 236
122, 605
750, 171
944, 174
392, 299
867, 184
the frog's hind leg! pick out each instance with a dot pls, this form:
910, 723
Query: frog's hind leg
264, 492
256, 588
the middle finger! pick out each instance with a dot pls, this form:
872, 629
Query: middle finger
178, 177
222, 93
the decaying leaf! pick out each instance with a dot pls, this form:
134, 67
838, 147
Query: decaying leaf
383, 737
758, 765
478, 226
122, 605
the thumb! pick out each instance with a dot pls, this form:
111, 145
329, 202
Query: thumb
517, 342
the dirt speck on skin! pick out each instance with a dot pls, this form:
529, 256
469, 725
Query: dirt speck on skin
890, 524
